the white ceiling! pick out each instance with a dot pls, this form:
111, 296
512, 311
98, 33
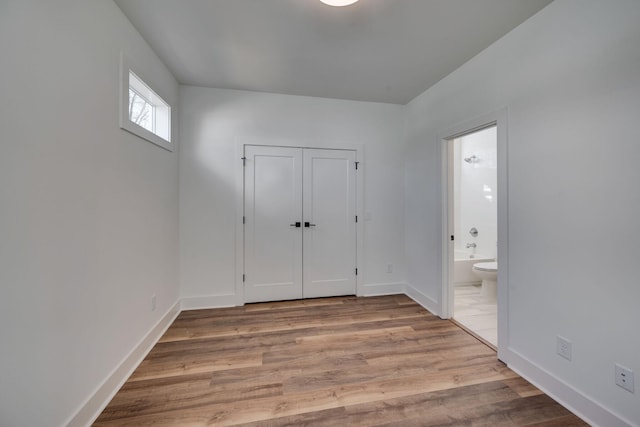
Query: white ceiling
374, 50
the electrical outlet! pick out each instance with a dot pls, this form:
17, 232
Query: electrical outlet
153, 302
389, 268
624, 377
563, 347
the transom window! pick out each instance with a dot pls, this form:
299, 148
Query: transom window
143, 112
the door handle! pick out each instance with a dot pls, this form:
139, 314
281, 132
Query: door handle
308, 224
296, 224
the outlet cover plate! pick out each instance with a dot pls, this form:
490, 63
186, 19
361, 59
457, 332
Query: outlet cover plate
563, 347
624, 377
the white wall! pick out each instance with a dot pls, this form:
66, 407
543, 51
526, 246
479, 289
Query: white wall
214, 122
88, 212
570, 79
475, 186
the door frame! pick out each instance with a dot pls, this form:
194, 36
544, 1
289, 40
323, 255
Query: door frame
499, 119
239, 212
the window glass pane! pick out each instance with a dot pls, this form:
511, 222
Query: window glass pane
140, 110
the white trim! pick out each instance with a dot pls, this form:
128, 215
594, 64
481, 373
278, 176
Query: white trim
359, 149
208, 301
448, 246
569, 397
378, 289
498, 118
128, 125
502, 123
98, 400
425, 301
239, 228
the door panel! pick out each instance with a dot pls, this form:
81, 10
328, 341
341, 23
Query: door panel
273, 201
329, 207
315, 187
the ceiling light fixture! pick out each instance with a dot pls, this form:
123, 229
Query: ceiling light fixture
338, 2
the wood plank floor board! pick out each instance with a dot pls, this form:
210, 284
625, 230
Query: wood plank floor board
380, 346
426, 408
513, 412
311, 365
228, 328
567, 421
326, 362
522, 387
209, 363
193, 399
230, 322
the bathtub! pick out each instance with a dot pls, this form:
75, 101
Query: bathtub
462, 263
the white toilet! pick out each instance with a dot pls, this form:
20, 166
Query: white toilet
488, 272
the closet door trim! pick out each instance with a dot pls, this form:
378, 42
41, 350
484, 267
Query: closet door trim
238, 290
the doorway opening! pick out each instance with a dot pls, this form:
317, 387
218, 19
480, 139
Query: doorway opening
473, 170
474, 228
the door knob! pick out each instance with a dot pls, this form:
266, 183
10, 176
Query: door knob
308, 224
296, 224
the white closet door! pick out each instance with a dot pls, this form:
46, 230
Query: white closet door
330, 211
273, 202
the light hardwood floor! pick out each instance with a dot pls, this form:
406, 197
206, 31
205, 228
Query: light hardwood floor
342, 361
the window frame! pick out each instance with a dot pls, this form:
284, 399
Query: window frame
125, 69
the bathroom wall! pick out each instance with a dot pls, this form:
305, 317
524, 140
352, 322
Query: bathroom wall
570, 82
475, 192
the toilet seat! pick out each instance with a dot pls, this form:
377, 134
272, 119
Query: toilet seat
486, 266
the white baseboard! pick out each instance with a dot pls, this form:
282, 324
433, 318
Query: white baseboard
587, 409
208, 301
425, 301
376, 289
95, 404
